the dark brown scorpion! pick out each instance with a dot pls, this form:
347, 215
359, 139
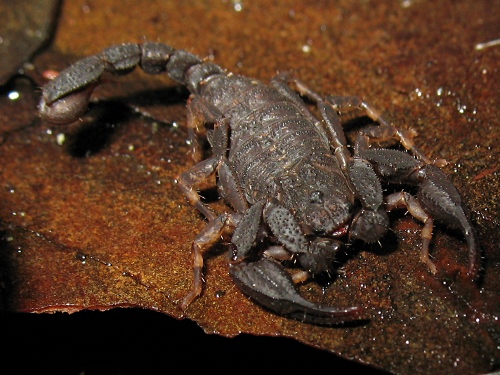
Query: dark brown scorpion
294, 186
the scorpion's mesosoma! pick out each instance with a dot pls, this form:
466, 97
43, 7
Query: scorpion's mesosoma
295, 188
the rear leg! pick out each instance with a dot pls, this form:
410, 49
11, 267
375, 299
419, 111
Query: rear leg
206, 239
385, 131
199, 113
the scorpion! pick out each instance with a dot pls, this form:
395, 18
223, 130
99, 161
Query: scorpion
297, 193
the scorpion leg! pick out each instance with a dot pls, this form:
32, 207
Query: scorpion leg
199, 113
217, 226
204, 169
404, 199
341, 103
192, 177
384, 131
207, 238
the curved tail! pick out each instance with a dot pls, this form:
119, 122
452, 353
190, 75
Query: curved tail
65, 98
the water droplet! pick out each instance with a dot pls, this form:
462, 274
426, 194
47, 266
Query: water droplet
81, 257
60, 139
219, 294
13, 95
238, 5
406, 3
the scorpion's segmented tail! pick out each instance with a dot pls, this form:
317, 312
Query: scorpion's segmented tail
65, 98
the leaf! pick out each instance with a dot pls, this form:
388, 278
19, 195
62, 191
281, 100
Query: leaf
92, 218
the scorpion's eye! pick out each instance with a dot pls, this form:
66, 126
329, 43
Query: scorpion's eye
316, 197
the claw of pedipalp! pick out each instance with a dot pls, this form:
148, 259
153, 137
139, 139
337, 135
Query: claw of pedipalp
268, 283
